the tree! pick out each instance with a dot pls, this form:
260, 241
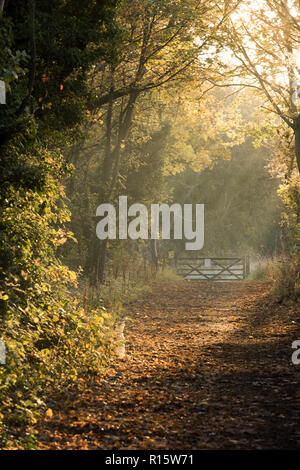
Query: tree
161, 43
47, 50
263, 38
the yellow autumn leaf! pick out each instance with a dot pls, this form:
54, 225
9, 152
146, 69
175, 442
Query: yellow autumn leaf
49, 413
105, 315
72, 275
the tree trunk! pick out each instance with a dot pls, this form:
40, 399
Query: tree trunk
154, 254
100, 274
297, 140
97, 250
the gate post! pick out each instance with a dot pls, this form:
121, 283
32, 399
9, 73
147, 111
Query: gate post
247, 263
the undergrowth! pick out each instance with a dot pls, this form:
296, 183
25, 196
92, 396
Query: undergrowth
284, 273
57, 344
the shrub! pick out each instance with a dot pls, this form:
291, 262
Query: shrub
286, 279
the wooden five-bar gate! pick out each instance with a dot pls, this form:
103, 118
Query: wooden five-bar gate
213, 269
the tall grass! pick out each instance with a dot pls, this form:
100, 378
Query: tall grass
285, 275
118, 291
262, 270
283, 272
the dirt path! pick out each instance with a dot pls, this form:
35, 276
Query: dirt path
208, 367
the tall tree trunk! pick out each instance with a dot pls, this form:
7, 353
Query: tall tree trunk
97, 249
101, 259
111, 167
297, 139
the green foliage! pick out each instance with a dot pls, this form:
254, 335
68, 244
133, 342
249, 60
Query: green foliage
49, 346
47, 52
242, 208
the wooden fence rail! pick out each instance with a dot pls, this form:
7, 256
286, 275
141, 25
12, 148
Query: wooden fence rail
213, 269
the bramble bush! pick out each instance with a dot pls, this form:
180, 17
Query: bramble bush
51, 340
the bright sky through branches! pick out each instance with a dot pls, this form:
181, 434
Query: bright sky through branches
251, 21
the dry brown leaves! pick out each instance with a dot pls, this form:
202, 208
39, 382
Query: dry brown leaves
208, 366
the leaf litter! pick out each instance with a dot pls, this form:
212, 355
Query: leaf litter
207, 366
